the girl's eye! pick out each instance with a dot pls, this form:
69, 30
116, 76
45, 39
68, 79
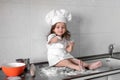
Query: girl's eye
63, 27
58, 27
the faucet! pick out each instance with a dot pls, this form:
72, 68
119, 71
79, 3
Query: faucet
110, 48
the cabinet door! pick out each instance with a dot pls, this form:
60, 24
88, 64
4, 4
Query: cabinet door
101, 78
114, 77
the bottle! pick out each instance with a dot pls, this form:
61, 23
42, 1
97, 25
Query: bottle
27, 62
32, 70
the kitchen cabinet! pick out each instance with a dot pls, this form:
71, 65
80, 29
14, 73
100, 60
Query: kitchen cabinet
78, 79
114, 77
101, 78
110, 77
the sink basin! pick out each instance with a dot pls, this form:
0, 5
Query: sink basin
110, 63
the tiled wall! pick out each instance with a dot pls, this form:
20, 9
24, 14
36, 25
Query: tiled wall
23, 30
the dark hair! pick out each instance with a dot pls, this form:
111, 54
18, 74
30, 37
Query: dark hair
66, 35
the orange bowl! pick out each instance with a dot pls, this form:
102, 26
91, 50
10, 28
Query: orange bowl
13, 69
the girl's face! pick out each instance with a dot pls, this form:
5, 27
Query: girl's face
60, 29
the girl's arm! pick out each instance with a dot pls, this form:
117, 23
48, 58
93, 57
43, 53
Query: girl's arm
54, 39
69, 48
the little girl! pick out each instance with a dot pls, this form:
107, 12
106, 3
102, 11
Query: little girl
59, 44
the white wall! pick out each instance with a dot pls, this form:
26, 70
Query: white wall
23, 28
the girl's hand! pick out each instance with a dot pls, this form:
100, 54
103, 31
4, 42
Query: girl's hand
69, 48
71, 43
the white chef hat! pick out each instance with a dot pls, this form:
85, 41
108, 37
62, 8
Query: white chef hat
55, 16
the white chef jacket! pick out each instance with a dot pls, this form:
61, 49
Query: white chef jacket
57, 51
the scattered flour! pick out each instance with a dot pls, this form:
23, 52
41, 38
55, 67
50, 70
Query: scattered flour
54, 71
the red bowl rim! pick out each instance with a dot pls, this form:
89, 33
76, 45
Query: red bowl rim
13, 64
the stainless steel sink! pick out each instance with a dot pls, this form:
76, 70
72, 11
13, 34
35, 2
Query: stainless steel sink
109, 63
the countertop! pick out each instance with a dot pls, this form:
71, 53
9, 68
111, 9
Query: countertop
39, 76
